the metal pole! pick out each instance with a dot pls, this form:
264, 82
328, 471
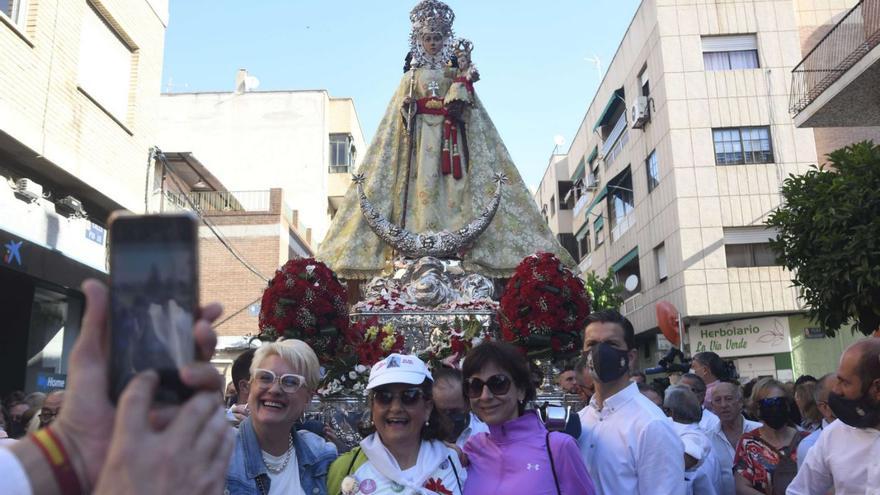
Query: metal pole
410, 115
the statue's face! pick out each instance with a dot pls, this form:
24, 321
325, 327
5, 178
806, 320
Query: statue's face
432, 43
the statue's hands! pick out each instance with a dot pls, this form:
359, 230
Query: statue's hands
455, 108
474, 75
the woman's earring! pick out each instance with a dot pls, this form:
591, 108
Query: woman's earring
428, 422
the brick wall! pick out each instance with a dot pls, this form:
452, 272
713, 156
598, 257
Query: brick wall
42, 107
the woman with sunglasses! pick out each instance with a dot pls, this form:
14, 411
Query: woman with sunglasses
766, 458
518, 455
270, 456
404, 454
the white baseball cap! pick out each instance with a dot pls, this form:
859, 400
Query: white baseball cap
398, 368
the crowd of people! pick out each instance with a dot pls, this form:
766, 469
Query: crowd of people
447, 431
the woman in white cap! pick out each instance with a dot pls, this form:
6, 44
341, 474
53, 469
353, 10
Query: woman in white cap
405, 453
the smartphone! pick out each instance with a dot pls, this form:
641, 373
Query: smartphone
153, 300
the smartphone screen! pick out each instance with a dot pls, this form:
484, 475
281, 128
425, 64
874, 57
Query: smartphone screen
153, 300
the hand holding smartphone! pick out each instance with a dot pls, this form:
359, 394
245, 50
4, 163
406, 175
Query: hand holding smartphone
153, 300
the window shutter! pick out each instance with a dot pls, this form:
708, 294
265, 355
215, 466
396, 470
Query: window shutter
730, 43
748, 235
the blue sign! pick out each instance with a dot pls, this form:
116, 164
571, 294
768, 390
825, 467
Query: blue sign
95, 233
13, 252
47, 382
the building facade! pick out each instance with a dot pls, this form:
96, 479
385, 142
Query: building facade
675, 167
79, 81
305, 142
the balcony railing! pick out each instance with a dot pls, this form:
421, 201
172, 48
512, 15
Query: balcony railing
219, 201
848, 41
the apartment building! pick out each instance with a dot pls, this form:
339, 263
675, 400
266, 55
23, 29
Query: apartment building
555, 198
79, 81
677, 163
305, 142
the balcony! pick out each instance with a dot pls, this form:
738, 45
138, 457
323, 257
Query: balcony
837, 84
212, 202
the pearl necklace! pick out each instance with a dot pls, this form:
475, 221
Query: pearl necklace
278, 468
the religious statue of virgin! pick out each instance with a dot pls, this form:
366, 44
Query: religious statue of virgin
433, 165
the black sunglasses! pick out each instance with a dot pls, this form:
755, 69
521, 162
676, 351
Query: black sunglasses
408, 397
498, 384
773, 401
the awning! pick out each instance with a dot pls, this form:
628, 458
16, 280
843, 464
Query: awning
593, 154
615, 100
626, 259
579, 171
583, 231
599, 197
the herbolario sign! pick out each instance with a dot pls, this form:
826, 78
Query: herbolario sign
750, 337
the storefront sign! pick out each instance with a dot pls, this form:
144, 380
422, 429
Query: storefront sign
13, 253
47, 382
742, 337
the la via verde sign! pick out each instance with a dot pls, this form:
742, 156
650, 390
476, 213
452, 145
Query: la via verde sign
750, 337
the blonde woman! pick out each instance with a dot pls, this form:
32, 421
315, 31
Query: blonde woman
270, 457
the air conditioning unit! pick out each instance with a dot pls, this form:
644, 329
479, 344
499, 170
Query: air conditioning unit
639, 113
592, 183
70, 206
29, 189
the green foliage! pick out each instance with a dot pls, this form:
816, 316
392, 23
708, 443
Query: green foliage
604, 292
829, 236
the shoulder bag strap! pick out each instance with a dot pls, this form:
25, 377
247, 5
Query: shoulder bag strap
552, 464
353, 460
457, 480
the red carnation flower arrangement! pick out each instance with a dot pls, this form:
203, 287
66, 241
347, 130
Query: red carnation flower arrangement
544, 308
305, 301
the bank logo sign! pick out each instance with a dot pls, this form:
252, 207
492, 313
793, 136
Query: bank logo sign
749, 337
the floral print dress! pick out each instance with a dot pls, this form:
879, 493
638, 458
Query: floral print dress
756, 459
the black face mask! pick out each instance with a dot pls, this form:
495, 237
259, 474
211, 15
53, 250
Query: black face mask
607, 363
858, 413
15, 429
459, 422
774, 412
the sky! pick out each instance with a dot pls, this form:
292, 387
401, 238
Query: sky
536, 80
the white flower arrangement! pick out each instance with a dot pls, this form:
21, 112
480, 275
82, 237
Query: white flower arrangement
349, 485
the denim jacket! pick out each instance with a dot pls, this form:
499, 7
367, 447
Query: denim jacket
248, 475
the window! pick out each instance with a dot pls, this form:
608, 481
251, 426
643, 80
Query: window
593, 176
627, 269
730, 52
105, 62
742, 145
597, 228
660, 258
584, 245
749, 255
341, 153
621, 204
15, 10
566, 195
644, 83
653, 171
569, 243
552, 206
748, 247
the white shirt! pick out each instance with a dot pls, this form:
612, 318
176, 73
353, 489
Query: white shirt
843, 458
704, 477
286, 482
724, 453
630, 447
710, 422
475, 426
15, 480
808, 442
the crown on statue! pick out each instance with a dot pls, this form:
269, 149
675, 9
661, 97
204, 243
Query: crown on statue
432, 16
463, 45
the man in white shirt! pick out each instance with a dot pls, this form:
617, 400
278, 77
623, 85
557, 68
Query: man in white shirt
709, 421
820, 395
727, 400
629, 446
845, 455
449, 401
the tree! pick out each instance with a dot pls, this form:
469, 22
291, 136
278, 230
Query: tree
604, 292
829, 237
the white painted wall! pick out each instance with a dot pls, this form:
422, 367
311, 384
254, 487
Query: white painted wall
256, 141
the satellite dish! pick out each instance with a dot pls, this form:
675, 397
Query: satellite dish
251, 83
558, 140
631, 283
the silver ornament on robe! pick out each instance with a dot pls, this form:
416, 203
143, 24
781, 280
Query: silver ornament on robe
443, 244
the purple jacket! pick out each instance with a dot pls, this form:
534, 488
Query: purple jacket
512, 458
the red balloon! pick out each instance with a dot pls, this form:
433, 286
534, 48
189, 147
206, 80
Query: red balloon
667, 320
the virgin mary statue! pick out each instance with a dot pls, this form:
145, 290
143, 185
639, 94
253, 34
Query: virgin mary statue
432, 166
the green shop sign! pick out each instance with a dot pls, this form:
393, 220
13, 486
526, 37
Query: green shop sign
749, 337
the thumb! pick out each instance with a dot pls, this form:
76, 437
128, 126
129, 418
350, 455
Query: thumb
134, 405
